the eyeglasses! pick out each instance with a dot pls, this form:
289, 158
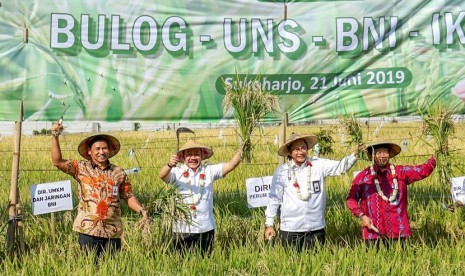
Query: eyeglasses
302, 149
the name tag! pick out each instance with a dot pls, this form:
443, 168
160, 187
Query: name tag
316, 186
115, 190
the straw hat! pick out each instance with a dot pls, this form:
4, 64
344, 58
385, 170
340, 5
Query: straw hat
393, 148
191, 144
113, 145
310, 139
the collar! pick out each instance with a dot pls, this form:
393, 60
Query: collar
386, 169
294, 165
199, 168
107, 166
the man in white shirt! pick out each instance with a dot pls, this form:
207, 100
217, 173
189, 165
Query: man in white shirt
194, 181
298, 189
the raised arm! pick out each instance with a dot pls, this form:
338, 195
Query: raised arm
57, 159
233, 163
418, 172
166, 169
334, 168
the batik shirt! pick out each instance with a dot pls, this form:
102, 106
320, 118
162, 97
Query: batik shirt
391, 219
99, 193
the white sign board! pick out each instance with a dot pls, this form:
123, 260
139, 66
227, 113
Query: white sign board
257, 191
458, 189
51, 197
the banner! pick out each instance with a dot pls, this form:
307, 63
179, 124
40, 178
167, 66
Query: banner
169, 60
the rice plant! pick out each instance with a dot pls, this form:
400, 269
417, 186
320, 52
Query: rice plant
251, 104
353, 129
437, 245
438, 125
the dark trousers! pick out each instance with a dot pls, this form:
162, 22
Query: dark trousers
302, 240
188, 241
99, 245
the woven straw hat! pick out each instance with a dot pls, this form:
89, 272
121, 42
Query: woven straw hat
310, 139
393, 148
191, 144
113, 145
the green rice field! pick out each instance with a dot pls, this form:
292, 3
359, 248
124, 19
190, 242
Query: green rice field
437, 246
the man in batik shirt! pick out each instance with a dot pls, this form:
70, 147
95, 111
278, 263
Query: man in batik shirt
100, 187
378, 196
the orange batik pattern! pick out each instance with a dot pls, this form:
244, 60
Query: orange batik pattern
99, 212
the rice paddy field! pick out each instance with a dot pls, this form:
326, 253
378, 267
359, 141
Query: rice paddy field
437, 246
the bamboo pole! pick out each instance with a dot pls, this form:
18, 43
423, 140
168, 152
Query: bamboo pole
15, 237
282, 135
52, 226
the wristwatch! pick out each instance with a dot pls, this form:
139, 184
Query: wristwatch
361, 216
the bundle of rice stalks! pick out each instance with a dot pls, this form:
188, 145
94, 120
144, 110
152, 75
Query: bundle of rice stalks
353, 129
251, 104
166, 204
325, 142
438, 124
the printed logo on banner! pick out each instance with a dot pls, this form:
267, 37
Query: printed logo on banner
51, 197
257, 191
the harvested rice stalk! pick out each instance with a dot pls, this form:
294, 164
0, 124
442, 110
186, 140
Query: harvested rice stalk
353, 129
251, 104
166, 203
438, 124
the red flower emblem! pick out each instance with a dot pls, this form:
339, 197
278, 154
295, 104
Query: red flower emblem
185, 174
296, 184
193, 207
202, 176
309, 163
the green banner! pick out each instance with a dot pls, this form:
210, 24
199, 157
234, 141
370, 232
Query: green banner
168, 60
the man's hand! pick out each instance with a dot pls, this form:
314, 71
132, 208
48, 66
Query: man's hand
174, 159
56, 129
144, 223
360, 148
269, 233
452, 206
368, 223
144, 213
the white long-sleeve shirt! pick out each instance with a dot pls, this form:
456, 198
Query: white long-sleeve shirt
202, 218
299, 215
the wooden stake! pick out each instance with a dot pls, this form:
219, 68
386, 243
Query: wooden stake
15, 235
52, 226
